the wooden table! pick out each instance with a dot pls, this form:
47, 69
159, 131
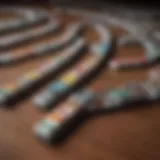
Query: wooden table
126, 135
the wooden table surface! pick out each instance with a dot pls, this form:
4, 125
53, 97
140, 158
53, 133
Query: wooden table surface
125, 135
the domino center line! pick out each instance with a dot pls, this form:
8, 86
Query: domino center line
12, 93
71, 33
82, 72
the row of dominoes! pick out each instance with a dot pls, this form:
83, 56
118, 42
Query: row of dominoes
93, 100
151, 54
30, 17
36, 50
151, 49
67, 80
62, 86
99, 54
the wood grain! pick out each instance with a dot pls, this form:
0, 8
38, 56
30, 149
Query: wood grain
125, 135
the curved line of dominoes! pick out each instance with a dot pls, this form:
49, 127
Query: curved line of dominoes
71, 33
95, 100
53, 125
14, 40
68, 81
11, 93
152, 54
30, 18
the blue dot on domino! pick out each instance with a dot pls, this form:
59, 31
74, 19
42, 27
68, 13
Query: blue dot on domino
102, 48
57, 87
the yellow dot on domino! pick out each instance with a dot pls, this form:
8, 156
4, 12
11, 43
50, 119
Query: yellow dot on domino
31, 75
69, 78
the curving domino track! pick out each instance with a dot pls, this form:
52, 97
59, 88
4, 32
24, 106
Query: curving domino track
14, 91
141, 32
151, 54
12, 40
54, 125
94, 100
51, 128
49, 46
82, 72
30, 17
35, 78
